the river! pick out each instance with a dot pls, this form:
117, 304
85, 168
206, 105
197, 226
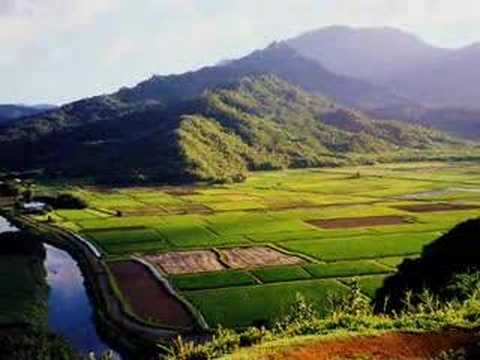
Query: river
70, 312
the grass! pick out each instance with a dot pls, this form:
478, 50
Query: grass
363, 247
392, 262
123, 236
213, 280
23, 290
245, 306
121, 242
282, 274
346, 269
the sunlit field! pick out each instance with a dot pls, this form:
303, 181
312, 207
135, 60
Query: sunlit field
279, 233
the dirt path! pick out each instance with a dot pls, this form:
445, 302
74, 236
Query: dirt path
398, 346
426, 208
353, 222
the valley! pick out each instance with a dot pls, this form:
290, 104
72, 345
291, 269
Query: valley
287, 232
311, 197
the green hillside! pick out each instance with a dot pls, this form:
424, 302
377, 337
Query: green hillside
265, 123
259, 122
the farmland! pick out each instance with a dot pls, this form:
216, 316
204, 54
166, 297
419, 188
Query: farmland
240, 253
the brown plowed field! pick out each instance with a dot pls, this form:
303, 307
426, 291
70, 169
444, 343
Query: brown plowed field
187, 262
341, 223
147, 297
145, 212
398, 346
190, 209
425, 208
181, 191
252, 257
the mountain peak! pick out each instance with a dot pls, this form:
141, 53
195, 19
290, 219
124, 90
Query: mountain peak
371, 54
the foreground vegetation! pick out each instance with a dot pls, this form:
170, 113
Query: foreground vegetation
447, 299
348, 316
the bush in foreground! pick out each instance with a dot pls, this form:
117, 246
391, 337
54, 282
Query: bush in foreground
351, 313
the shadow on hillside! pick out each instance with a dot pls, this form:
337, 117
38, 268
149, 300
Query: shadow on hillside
455, 253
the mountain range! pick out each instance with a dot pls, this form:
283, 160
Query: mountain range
275, 108
14, 111
400, 61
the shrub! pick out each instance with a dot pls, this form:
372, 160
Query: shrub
10, 188
354, 303
63, 201
187, 350
464, 286
253, 336
224, 341
70, 201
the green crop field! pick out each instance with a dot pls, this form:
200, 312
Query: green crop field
282, 274
346, 268
244, 306
282, 210
213, 280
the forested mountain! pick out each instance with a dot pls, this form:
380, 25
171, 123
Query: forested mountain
278, 59
459, 122
257, 122
162, 91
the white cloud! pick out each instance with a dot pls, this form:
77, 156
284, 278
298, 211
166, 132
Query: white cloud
65, 12
414, 13
58, 50
24, 20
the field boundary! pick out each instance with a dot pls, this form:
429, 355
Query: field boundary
97, 278
159, 277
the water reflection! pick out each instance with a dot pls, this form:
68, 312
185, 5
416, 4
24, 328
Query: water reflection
5, 226
69, 310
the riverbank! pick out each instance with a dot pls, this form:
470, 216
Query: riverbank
129, 333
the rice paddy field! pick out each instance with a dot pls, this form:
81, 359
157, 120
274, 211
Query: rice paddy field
240, 253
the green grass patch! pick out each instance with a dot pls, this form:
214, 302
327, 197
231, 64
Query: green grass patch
213, 280
281, 274
123, 236
363, 247
393, 262
119, 242
245, 306
345, 269
23, 290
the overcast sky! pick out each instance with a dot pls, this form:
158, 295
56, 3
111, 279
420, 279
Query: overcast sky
55, 51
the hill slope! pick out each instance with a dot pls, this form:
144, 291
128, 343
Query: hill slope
258, 122
278, 59
10, 112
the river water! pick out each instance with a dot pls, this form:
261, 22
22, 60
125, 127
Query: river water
70, 312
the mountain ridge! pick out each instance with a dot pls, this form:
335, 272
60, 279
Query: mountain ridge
399, 61
259, 122
9, 112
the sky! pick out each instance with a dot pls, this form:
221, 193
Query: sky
57, 51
